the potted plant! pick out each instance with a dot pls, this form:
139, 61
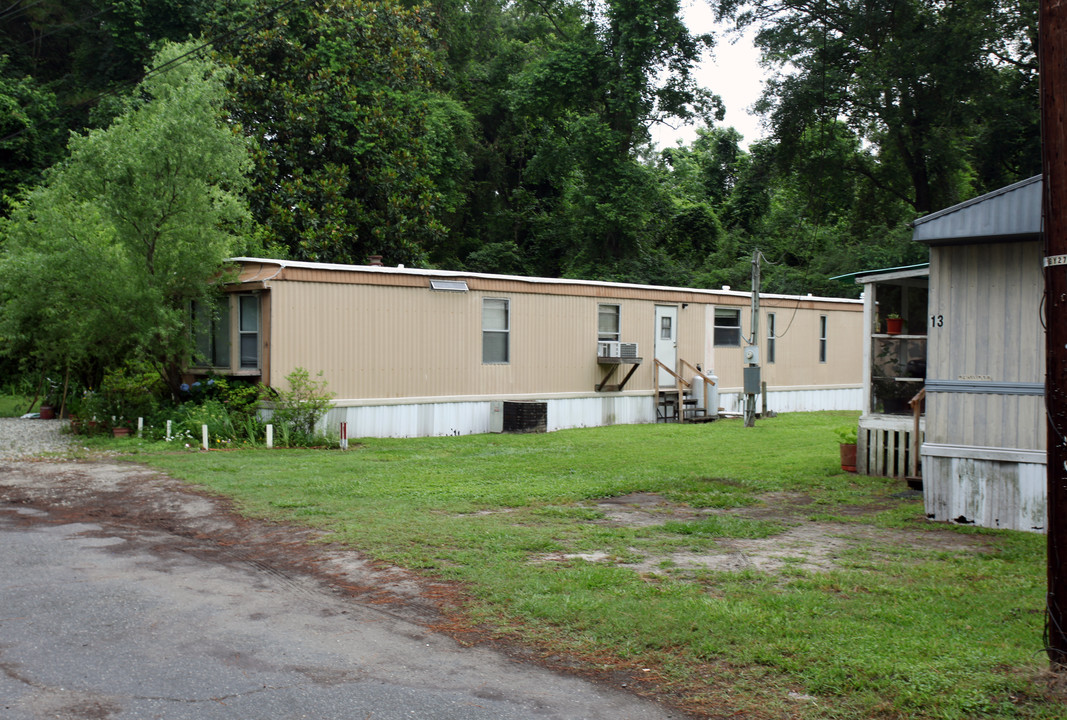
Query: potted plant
47, 411
894, 324
847, 436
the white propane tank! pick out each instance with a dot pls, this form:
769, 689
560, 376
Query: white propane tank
697, 388
713, 397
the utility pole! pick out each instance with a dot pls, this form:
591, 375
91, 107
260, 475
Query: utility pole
751, 370
1052, 56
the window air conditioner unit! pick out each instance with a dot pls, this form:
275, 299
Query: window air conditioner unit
628, 350
608, 349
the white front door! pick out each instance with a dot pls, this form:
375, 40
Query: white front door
667, 342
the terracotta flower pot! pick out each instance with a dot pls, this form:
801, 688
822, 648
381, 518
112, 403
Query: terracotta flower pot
848, 457
47, 412
894, 326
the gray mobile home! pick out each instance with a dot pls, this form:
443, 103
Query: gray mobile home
983, 456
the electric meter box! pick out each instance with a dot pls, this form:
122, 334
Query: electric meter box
752, 381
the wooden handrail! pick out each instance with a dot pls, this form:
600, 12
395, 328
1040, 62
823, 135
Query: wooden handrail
916, 409
707, 381
676, 376
696, 370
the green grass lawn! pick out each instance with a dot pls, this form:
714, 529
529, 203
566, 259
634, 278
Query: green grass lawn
910, 620
13, 405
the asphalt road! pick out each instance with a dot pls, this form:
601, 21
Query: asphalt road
112, 606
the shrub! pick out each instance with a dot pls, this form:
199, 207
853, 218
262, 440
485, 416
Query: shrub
301, 407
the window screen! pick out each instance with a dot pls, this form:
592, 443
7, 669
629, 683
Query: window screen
822, 338
608, 323
727, 327
249, 330
495, 330
770, 337
211, 334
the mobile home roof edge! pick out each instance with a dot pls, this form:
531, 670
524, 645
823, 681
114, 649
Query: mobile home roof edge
1011, 213
974, 201
383, 270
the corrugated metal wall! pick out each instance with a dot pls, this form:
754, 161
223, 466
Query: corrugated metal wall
986, 328
989, 493
797, 400
466, 418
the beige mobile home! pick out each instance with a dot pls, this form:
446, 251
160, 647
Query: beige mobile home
412, 352
984, 452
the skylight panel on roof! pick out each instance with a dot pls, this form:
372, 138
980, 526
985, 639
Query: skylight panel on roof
449, 285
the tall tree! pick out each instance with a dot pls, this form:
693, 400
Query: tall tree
60, 58
103, 259
30, 140
563, 93
911, 77
337, 95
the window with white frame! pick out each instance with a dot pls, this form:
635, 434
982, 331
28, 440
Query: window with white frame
822, 338
727, 327
496, 328
211, 334
770, 337
248, 330
608, 322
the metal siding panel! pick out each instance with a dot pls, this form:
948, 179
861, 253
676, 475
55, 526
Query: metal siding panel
987, 492
938, 340
1014, 355
1033, 506
1013, 210
992, 331
375, 341
1032, 334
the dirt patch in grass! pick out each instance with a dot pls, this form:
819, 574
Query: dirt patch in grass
814, 546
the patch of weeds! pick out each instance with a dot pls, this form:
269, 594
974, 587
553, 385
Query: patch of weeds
907, 514
558, 512
724, 526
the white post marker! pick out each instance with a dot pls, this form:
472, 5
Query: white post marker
168, 430
203, 433
270, 436
140, 426
344, 436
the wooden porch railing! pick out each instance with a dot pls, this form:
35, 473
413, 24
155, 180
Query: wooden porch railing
682, 383
916, 410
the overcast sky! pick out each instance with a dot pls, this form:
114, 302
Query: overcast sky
731, 71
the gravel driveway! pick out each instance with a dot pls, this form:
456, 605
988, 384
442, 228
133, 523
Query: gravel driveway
26, 438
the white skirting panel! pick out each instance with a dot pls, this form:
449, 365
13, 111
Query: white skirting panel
467, 418
597, 411
421, 420
987, 492
800, 400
